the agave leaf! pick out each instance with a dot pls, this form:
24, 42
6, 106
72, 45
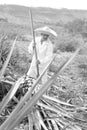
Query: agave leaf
41, 120
36, 120
54, 109
26, 109
30, 120
7, 60
57, 101
9, 95
10, 123
45, 115
6, 99
43, 101
63, 123
57, 118
60, 125
54, 125
72, 127
50, 108
1, 41
60, 109
2, 38
77, 127
22, 102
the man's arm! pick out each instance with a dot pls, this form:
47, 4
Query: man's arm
30, 48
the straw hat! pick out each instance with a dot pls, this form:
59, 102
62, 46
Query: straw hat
46, 30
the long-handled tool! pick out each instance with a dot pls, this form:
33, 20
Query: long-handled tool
34, 43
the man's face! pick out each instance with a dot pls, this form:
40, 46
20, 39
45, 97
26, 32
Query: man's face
44, 36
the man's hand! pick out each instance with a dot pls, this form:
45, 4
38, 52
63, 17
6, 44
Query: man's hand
38, 62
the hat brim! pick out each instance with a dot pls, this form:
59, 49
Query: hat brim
52, 33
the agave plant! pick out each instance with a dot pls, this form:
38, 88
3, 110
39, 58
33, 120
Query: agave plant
42, 111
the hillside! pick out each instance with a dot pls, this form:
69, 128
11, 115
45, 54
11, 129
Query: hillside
20, 14
15, 19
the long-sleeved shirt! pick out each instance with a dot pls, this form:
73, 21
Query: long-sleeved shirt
44, 50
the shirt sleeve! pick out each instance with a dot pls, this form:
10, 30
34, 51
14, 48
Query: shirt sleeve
49, 53
30, 48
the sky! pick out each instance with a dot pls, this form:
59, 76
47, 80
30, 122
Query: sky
69, 4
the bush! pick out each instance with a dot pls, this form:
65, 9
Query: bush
19, 63
67, 42
68, 47
78, 26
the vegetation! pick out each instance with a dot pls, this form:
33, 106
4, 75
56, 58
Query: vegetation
64, 104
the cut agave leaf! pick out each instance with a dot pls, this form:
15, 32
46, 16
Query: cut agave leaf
7, 98
30, 120
7, 60
41, 120
45, 115
36, 120
54, 125
12, 122
60, 109
74, 127
57, 101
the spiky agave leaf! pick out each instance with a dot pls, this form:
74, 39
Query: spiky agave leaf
41, 120
54, 125
7, 60
55, 110
59, 119
26, 108
44, 116
26, 97
38, 95
36, 120
63, 106
30, 120
9, 95
6, 99
60, 109
57, 101
72, 127
63, 123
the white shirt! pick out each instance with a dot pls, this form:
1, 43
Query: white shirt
44, 51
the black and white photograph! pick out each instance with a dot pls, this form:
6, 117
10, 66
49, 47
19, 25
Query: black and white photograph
43, 65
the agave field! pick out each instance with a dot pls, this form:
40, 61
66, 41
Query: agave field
61, 102
29, 105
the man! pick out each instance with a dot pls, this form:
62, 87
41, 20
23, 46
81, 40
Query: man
44, 48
